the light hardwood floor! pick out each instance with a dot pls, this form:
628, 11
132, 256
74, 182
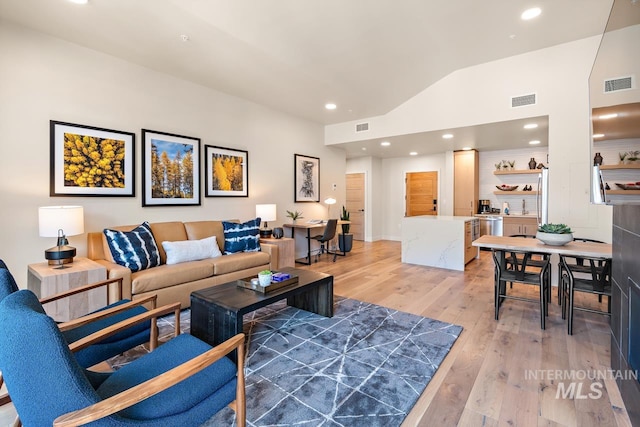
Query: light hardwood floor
482, 381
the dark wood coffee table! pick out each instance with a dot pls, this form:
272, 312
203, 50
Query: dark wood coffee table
216, 312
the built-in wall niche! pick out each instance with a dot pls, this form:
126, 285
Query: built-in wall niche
620, 168
491, 177
615, 100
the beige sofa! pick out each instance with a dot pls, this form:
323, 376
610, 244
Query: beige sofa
175, 282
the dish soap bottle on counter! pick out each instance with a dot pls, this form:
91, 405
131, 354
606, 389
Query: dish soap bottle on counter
505, 208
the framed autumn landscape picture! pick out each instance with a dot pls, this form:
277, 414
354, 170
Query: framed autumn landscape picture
227, 172
170, 169
91, 161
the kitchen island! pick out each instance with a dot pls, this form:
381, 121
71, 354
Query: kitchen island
439, 241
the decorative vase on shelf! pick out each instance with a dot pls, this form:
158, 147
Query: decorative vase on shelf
597, 160
532, 163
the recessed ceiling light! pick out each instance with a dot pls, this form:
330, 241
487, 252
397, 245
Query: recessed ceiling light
413, 153
364, 148
447, 136
531, 126
598, 135
531, 13
184, 37
534, 142
79, 1
608, 116
466, 148
385, 143
330, 106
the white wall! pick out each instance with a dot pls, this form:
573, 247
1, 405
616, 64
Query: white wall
481, 94
43, 78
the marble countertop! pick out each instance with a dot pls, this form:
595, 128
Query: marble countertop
442, 218
506, 216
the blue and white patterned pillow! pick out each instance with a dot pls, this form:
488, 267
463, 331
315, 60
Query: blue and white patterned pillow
243, 237
136, 249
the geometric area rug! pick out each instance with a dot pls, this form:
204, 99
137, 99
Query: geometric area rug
365, 366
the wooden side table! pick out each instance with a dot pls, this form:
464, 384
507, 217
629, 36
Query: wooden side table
286, 250
44, 280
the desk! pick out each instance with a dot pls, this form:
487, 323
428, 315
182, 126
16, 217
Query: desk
308, 227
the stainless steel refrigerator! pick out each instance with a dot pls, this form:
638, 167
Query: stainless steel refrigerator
542, 198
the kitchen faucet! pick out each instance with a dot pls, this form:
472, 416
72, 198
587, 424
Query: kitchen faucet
524, 211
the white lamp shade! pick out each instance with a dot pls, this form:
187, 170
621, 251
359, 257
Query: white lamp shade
69, 219
330, 201
266, 212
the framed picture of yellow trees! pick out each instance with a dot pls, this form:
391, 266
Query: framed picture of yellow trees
91, 161
170, 169
227, 172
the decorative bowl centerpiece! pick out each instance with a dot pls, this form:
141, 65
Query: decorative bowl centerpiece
629, 186
554, 234
505, 187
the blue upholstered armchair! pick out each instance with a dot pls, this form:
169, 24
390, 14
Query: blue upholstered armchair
182, 383
75, 330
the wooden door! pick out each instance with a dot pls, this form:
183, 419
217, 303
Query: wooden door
421, 193
355, 204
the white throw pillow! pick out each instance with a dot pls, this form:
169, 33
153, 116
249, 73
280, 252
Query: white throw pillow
191, 250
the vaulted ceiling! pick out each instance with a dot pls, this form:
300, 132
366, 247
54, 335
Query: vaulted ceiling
366, 56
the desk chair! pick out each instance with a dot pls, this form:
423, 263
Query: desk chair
594, 278
183, 382
518, 273
328, 235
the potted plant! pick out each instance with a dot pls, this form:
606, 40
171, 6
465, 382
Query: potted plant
264, 277
295, 215
345, 240
554, 234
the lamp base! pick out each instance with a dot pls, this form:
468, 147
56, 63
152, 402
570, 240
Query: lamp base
265, 233
60, 255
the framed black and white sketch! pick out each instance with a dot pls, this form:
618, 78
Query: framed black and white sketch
307, 178
226, 172
91, 161
170, 169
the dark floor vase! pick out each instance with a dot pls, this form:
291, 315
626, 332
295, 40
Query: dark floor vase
345, 242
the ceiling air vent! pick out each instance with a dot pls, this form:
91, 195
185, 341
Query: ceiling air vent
362, 127
619, 83
521, 101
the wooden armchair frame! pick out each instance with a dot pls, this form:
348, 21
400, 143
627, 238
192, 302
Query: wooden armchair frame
162, 382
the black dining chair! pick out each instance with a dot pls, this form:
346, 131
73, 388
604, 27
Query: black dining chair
328, 235
577, 265
518, 273
593, 276
535, 261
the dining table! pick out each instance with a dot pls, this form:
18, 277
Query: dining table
527, 244
504, 244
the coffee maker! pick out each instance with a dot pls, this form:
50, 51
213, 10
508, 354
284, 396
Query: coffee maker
484, 206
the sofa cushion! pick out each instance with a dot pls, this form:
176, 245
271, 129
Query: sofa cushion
238, 261
197, 230
135, 249
191, 250
169, 275
171, 231
244, 237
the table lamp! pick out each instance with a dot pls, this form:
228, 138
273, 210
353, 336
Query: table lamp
266, 213
60, 221
329, 201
